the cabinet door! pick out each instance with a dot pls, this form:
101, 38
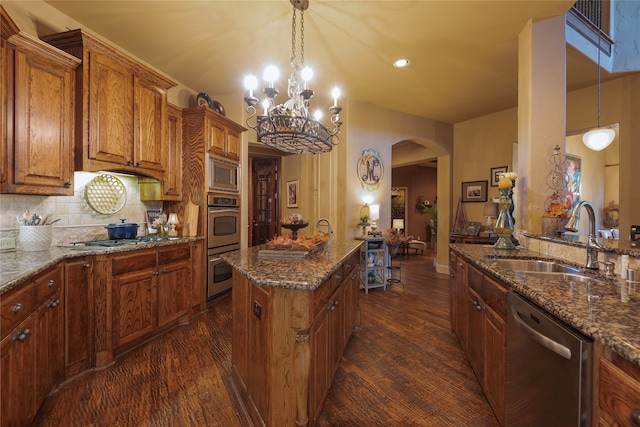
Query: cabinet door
172, 185
49, 339
133, 303
40, 146
110, 111
233, 146
217, 138
475, 333
150, 115
459, 299
336, 328
320, 379
78, 309
351, 295
17, 353
495, 346
173, 292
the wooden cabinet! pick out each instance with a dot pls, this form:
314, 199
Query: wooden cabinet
122, 109
79, 319
217, 134
287, 344
38, 107
31, 349
151, 289
619, 391
478, 316
172, 185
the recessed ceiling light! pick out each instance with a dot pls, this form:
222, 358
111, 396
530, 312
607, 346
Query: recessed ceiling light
401, 63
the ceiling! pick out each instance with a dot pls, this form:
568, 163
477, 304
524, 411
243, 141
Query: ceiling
463, 53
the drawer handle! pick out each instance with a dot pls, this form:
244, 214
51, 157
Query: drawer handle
459, 264
353, 277
348, 265
635, 417
55, 303
164, 270
51, 283
86, 265
138, 164
18, 307
22, 335
478, 306
338, 276
155, 273
67, 184
130, 162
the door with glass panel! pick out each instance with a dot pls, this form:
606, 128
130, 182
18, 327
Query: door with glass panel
264, 211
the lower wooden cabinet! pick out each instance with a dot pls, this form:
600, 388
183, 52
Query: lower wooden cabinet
619, 391
79, 319
133, 306
174, 284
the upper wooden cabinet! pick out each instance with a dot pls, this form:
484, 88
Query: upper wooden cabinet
122, 109
172, 188
219, 135
38, 87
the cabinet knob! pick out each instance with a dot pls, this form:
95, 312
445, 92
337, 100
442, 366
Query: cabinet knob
86, 265
478, 306
55, 303
51, 283
22, 335
635, 417
353, 277
130, 162
164, 270
18, 307
339, 276
155, 273
67, 184
138, 164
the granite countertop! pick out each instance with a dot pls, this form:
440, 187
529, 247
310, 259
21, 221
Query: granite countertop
306, 273
18, 266
609, 312
616, 246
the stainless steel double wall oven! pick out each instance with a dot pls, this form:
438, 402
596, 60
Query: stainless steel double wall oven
223, 235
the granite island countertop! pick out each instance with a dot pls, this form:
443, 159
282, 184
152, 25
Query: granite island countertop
609, 312
306, 273
18, 266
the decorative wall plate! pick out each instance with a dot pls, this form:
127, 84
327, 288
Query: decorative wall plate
106, 194
203, 100
370, 169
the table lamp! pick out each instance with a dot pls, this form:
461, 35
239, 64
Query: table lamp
374, 211
173, 222
490, 211
398, 224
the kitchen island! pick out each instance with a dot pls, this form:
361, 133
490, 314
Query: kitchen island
292, 318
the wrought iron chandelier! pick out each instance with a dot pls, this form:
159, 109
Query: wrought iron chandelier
288, 126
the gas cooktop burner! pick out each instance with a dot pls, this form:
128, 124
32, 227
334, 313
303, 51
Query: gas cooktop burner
120, 242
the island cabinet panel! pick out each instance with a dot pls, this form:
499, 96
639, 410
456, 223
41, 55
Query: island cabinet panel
287, 344
619, 391
480, 324
38, 143
79, 319
121, 113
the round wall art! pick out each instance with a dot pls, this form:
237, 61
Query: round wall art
370, 169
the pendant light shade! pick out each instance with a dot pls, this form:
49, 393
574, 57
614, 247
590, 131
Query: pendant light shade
598, 139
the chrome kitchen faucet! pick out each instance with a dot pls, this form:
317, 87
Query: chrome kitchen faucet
592, 243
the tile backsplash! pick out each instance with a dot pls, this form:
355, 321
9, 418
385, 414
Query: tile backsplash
78, 220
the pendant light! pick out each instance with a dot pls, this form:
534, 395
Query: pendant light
601, 137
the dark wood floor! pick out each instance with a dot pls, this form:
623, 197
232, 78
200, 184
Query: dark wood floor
403, 367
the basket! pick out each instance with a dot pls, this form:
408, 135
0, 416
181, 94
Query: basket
35, 237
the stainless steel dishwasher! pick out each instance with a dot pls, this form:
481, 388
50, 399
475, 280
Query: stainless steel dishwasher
549, 376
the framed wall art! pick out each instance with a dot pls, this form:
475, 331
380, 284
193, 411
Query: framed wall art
572, 170
495, 174
292, 194
370, 169
474, 191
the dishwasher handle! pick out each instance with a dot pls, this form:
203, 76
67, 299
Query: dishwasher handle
541, 339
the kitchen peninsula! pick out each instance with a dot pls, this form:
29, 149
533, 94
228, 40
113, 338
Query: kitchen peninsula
292, 318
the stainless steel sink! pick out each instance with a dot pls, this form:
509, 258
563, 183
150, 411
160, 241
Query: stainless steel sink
565, 277
536, 265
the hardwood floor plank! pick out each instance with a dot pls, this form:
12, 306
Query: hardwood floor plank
402, 367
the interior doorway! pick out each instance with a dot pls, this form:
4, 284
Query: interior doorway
264, 210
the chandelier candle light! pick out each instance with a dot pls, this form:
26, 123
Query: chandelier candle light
288, 127
504, 224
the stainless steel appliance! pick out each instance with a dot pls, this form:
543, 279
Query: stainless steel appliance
224, 175
549, 369
223, 235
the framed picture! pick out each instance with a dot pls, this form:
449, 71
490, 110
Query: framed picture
495, 174
292, 194
572, 168
474, 191
154, 217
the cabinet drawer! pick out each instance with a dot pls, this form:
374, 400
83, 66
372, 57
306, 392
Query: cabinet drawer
16, 305
495, 295
48, 283
474, 278
173, 254
321, 296
132, 261
619, 392
351, 262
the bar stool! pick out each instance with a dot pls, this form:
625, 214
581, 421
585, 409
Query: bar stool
392, 251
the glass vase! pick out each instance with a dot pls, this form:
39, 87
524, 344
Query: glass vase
504, 224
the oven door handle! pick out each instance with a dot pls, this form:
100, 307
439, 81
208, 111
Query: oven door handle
215, 211
215, 259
